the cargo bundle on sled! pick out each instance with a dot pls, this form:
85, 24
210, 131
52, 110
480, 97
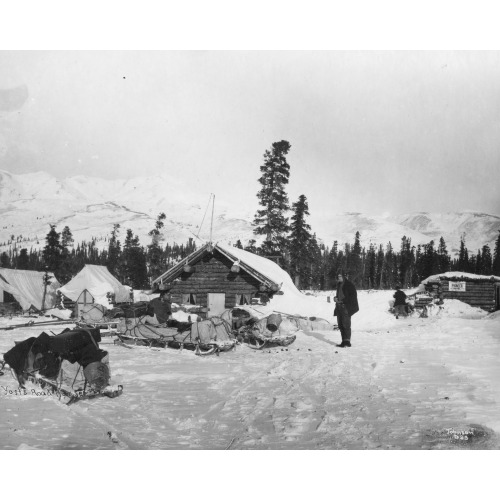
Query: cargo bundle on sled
70, 366
269, 331
204, 337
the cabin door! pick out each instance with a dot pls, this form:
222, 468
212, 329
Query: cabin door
216, 304
497, 297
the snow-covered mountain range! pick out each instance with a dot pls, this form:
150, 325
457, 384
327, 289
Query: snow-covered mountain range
90, 207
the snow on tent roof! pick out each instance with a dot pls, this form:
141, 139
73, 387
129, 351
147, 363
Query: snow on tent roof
27, 287
99, 282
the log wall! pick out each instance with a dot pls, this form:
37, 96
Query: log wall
478, 293
212, 274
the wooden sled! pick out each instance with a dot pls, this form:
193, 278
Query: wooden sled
69, 366
207, 337
266, 332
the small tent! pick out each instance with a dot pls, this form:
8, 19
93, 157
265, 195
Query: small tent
102, 286
31, 289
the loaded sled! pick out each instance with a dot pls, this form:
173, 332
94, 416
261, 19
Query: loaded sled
204, 337
269, 331
70, 366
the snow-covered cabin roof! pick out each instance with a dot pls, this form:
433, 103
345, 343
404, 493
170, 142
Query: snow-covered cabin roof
264, 270
28, 287
457, 275
99, 282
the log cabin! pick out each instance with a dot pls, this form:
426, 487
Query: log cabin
217, 277
475, 290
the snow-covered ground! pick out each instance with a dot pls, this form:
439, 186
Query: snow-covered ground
408, 383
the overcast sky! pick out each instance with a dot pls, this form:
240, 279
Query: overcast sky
376, 132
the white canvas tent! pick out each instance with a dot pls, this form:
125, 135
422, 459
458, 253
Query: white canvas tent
99, 282
28, 288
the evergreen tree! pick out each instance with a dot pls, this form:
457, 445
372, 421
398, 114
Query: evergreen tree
238, 245
5, 259
371, 267
251, 247
300, 243
380, 267
429, 260
390, 274
114, 253
463, 256
271, 220
154, 249
66, 269
443, 257
495, 268
52, 252
354, 262
23, 261
333, 266
486, 266
134, 262
315, 265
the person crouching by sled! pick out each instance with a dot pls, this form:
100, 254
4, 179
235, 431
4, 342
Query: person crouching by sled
159, 310
346, 304
400, 302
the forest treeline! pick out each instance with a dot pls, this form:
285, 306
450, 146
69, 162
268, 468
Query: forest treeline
131, 263
375, 267
285, 237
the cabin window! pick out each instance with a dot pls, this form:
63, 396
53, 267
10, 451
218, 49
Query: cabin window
243, 299
189, 298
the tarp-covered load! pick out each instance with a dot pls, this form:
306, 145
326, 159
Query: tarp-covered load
31, 289
259, 332
101, 285
69, 365
205, 337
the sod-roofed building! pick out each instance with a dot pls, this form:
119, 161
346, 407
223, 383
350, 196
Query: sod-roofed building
218, 277
473, 289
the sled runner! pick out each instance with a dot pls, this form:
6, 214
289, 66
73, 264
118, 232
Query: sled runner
69, 366
205, 337
270, 331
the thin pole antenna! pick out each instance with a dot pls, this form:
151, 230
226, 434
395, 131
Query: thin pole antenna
203, 220
212, 222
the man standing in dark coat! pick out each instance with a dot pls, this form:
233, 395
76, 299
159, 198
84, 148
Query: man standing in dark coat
346, 304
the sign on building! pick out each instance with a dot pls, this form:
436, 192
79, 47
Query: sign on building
457, 286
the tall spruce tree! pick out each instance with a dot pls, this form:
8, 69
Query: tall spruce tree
5, 260
154, 249
333, 265
380, 267
114, 253
67, 265
23, 261
463, 256
52, 252
355, 262
271, 220
300, 243
134, 260
390, 274
371, 267
443, 258
495, 268
486, 261
315, 264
